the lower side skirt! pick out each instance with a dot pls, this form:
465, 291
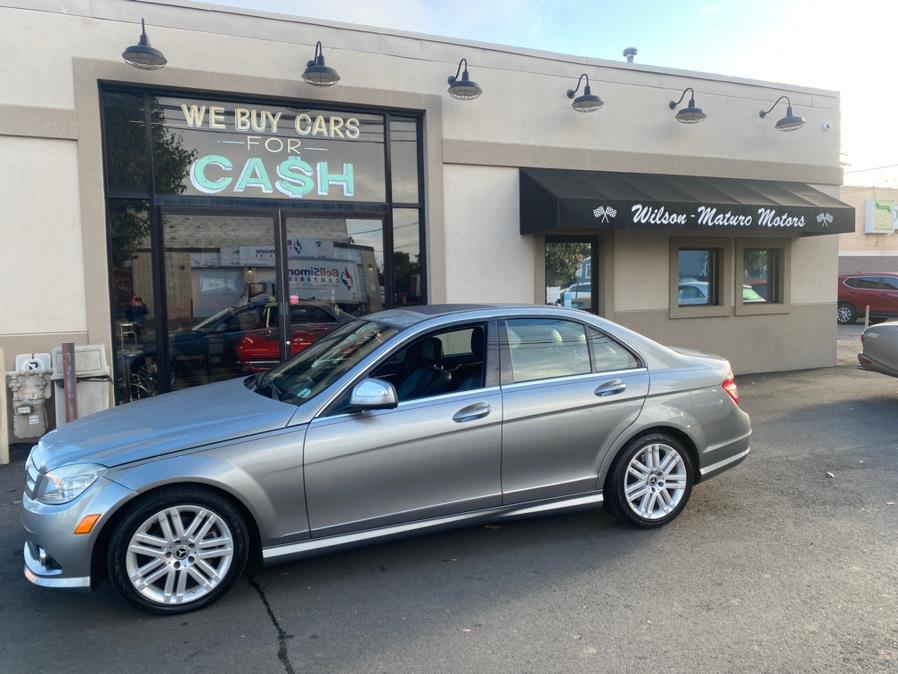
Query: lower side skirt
314, 546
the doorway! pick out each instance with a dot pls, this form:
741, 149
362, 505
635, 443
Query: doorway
572, 272
235, 291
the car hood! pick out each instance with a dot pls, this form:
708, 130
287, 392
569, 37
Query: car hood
167, 423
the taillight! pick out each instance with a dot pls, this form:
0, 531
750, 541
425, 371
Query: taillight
729, 385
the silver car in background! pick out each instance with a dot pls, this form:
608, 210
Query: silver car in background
405, 421
879, 352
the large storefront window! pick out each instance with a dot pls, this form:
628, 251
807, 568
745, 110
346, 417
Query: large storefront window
241, 232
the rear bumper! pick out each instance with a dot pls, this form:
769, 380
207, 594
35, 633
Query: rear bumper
730, 450
864, 362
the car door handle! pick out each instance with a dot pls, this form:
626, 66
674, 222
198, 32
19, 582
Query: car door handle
472, 412
610, 388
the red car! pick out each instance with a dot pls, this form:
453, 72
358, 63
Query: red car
878, 290
309, 321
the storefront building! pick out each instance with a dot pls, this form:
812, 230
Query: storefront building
872, 245
216, 215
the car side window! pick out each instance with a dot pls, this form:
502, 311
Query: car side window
300, 314
863, 282
608, 355
544, 348
889, 282
440, 362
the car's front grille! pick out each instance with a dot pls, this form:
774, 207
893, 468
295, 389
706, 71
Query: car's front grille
32, 475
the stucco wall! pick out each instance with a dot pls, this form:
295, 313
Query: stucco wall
41, 256
490, 260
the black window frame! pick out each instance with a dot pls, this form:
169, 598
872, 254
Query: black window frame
319, 208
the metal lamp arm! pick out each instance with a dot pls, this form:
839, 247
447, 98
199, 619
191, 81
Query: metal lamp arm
458, 71
674, 104
764, 113
573, 92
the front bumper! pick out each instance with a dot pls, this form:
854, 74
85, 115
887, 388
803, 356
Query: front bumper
54, 555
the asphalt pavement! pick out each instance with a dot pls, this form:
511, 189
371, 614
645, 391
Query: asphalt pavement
787, 563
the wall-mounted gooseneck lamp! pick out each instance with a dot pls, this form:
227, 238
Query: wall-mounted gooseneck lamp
316, 73
791, 121
142, 55
691, 114
587, 101
463, 88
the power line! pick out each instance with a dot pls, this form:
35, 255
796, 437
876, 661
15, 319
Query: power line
873, 168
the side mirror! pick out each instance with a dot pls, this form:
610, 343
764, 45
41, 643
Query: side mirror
373, 394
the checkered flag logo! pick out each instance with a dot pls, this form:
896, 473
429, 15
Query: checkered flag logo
605, 213
825, 219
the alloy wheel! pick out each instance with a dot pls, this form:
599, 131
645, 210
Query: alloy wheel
655, 481
179, 554
844, 314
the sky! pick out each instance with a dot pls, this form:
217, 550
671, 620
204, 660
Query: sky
847, 45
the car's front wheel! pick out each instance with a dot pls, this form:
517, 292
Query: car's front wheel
650, 481
845, 313
177, 550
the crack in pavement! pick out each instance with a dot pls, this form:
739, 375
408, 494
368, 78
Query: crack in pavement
282, 634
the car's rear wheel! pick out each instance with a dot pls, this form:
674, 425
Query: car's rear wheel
650, 481
845, 313
178, 550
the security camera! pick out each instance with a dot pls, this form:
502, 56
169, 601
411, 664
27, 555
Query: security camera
826, 126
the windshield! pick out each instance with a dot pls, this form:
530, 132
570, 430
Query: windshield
320, 365
213, 319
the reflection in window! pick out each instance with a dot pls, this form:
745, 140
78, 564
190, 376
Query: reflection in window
404, 160
221, 295
699, 278
569, 274
762, 269
542, 348
126, 158
407, 276
608, 355
133, 303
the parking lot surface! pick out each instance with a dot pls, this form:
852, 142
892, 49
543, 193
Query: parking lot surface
787, 563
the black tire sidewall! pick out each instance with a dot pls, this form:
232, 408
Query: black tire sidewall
139, 511
617, 481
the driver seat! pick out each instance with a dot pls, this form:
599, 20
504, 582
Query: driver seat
428, 377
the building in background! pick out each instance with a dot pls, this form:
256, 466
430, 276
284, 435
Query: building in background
873, 245
172, 215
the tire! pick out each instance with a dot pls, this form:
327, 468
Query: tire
169, 563
845, 314
649, 509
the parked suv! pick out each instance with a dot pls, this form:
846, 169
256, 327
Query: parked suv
878, 290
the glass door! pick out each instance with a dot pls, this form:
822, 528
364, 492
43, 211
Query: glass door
220, 270
572, 272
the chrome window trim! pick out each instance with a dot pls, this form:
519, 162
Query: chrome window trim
571, 377
417, 402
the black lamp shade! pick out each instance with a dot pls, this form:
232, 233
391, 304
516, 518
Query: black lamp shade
588, 102
319, 75
464, 88
791, 121
691, 114
142, 55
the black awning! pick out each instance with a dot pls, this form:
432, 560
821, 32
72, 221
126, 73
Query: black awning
559, 199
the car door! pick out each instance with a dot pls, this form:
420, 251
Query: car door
889, 295
433, 455
568, 390
865, 291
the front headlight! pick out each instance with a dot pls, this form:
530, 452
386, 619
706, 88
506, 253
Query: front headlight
67, 483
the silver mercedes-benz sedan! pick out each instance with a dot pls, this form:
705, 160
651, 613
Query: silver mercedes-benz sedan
405, 421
